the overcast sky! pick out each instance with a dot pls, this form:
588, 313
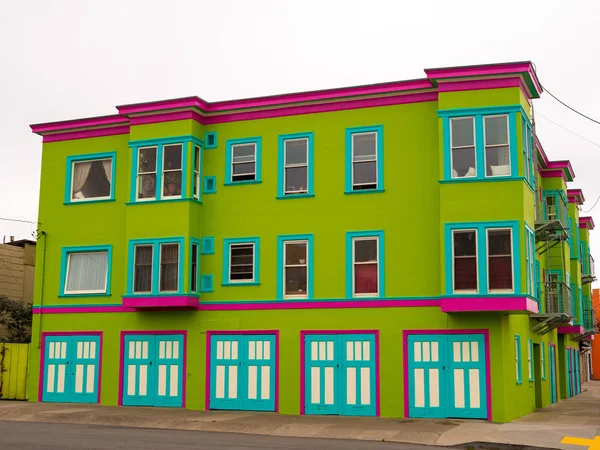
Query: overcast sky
76, 58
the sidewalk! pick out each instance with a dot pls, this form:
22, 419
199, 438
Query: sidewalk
578, 417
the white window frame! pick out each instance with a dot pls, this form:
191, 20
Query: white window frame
139, 174
91, 199
285, 266
529, 360
543, 347
530, 261
197, 162
354, 263
151, 268
465, 291
164, 173
292, 166
512, 260
160, 248
196, 262
463, 146
86, 291
233, 163
485, 146
376, 134
525, 143
248, 280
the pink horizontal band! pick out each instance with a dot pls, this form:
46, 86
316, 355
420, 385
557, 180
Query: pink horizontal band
576, 196
573, 329
563, 165
496, 83
175, 301
84, 134
79, 123
474, 304
586, 222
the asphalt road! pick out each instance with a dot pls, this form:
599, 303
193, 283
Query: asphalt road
33, 436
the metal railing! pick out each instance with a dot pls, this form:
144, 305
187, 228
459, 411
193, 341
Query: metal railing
552, 207
557, 297
589, 320
588, 267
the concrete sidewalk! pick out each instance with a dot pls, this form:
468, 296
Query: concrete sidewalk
577, 417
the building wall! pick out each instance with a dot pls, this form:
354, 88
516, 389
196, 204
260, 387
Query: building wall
596, 342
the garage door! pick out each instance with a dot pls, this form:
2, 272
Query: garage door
242, 372
153, 370
71, 366
447, 376
339, 374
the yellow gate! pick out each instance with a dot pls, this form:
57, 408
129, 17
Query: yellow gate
13, 371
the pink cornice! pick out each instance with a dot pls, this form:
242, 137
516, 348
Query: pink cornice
563, 165
84, 134
573, 329
587, 222
556, 173
175, 301
575, 196
80, 123
472, 85
499, 304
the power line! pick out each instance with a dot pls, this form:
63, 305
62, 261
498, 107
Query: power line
592, 206
566, 129
16, 220
572, 109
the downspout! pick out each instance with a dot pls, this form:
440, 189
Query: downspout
39, 334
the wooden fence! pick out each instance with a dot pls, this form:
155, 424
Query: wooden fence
14, 360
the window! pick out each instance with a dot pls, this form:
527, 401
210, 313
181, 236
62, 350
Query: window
194, 275
465, 260
527, 144
497, 150
530, 261
241, 261
518, 359
156, 266
463, 147
295, 165
197, 155
364, 153
86, 270
530, 359
365, 261
172, 170
295, 266
243, 163
500, 276
146, 178
90, 177
543, 359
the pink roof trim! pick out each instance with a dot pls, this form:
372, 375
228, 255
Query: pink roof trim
587, 222
79, 123
562, 165
576, 196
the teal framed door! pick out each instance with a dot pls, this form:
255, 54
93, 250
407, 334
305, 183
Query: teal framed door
340, 374
577, 372
447, 376
427, 391
242, 372
569, 372
552, 362
153, 370
71, 368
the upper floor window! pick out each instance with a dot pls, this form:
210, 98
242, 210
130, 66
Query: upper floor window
86, 270
365, 274
196, 178
156, 266
172, 170
480, 143
243, 164
364, 159
241, 261
295, 266
195, 263
464, 246
295, 165
499, 260
90, 177
528, 160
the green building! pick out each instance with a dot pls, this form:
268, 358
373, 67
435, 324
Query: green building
403, 249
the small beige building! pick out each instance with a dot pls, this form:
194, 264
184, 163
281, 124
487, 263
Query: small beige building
17, 271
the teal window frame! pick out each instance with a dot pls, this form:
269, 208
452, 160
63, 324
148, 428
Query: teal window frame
66, 251
576, 243
206, 283
210, 140
380, 236
538, 275
208, 245
518, 359
188, 142
530, 360
90, 157
378, 129
527, 145
482, 256
530, 261
281, 240
196, 242
543, 359
207, 185
571, 240
479, 114
227, 243
310, 191
200, 156
155, 243
229, 144
585, 258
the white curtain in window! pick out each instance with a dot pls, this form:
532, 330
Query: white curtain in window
81, 171
87, 272
107, 166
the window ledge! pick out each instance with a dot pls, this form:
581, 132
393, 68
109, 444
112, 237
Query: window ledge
85, 202
365, 191
292, 196
476, 180
175, 200
249, 283
105, 294
519, 382
160, 294
236, 183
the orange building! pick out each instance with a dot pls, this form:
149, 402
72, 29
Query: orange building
596, 342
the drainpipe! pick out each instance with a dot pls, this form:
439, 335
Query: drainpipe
39, 334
